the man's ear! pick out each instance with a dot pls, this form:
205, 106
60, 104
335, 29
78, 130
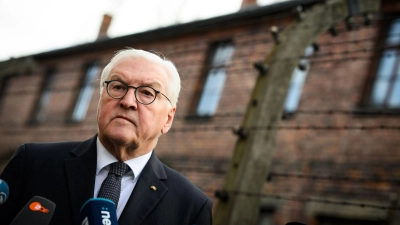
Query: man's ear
168, 122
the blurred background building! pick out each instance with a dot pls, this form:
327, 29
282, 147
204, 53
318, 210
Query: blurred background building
337, 153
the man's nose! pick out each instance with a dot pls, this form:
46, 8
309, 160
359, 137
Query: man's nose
129, 100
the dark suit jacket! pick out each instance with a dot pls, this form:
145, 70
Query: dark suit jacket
65, 174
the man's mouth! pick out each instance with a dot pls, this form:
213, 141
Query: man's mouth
125, 118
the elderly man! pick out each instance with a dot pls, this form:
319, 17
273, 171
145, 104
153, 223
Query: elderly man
139, 93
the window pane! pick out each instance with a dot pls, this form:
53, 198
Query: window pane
394, 99
222, 55
85, 94
40, 111
394, 33
387, 64
44, 101
297, 83
294, 92
212, 92
385, 92
3, 86
379, 92
215, 81
265, 218
385, 72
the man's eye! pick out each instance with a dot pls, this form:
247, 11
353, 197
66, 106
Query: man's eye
118, 88
146, 92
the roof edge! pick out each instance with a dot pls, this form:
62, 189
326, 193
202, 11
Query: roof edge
178, 29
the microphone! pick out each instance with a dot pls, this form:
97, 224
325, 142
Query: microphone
98, 211
4, 191
37, 211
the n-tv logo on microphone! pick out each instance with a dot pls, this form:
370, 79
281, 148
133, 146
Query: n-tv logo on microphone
106, 216
98, 211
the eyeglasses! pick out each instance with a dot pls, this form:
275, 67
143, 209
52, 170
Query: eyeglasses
145, 95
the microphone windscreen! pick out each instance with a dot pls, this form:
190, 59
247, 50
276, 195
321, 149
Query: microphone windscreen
37, 211
98, 211
4, 191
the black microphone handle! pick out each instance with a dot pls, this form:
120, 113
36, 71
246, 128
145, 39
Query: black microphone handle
38, 211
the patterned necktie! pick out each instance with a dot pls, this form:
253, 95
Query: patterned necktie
111, 186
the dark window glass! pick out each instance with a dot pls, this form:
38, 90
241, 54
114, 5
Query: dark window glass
40, 112
3, 87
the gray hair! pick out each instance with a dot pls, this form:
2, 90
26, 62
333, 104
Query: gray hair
174, 86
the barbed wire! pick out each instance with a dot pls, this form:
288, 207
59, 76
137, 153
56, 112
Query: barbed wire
225, 194
368, 112
189, 117
294, 127
235, 130
222, 171
333, 178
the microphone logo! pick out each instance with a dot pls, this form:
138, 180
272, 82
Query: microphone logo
36, 206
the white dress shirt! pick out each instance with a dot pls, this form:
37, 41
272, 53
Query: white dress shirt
129, 180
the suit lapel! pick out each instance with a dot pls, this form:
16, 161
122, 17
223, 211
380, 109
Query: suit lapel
144, 198
81, 174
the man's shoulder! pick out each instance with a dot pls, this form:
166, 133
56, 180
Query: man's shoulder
182, 184
49, 146
41, 148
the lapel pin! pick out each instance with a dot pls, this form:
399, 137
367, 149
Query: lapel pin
153, 188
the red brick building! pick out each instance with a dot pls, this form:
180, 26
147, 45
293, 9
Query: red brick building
338, 144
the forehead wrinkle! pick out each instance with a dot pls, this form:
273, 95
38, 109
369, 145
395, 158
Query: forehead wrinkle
151, 81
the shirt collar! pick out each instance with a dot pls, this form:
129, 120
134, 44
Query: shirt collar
104, 158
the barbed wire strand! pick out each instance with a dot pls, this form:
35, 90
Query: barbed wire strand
221, 171
311, 199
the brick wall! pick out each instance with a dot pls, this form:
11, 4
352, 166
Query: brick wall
334, 82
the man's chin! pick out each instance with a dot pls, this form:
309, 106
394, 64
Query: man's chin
120, 137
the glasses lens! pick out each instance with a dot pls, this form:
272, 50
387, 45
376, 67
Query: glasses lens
116, 89
145, 95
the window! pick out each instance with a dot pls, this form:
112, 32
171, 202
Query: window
215, 80
386, 88
85, 93
3, 85
296, 84
265, 217
44, 100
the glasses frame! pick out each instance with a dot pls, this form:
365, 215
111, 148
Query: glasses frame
135, 88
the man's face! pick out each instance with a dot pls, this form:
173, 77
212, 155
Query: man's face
127, 123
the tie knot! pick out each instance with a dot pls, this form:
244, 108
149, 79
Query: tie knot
119, 168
